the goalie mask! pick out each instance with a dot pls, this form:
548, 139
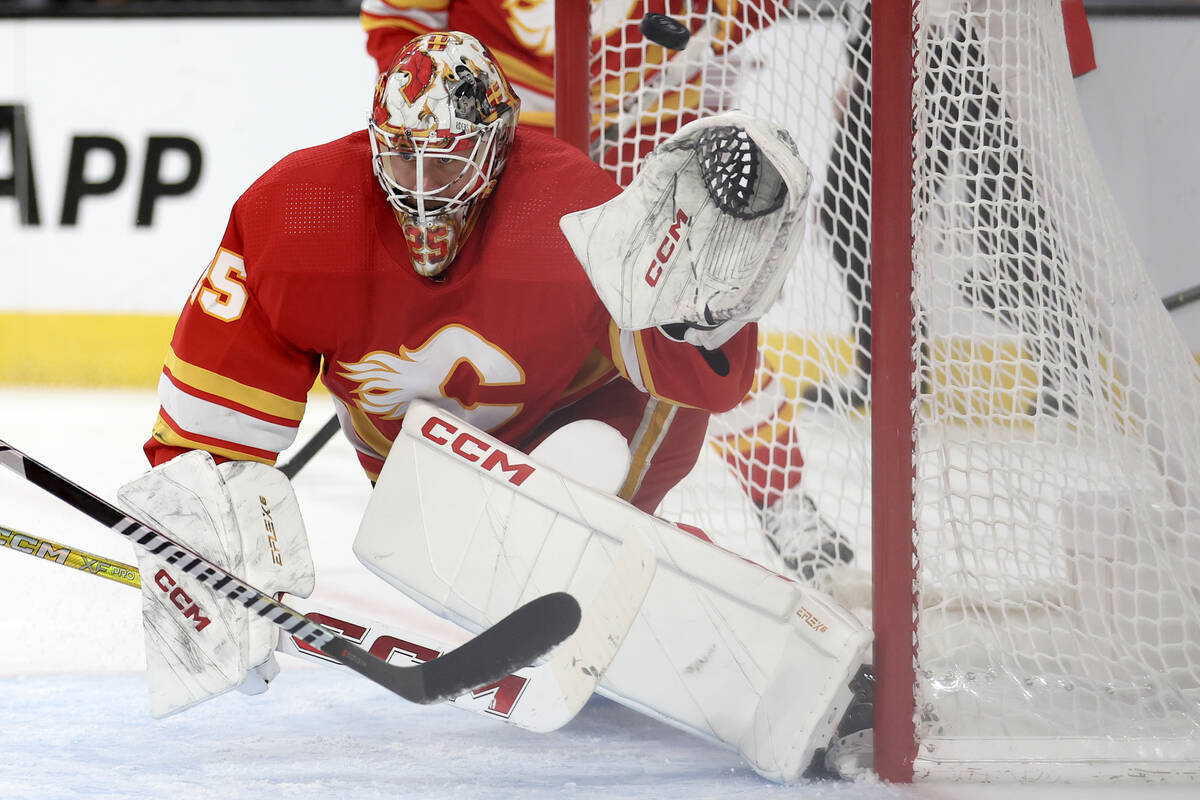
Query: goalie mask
441, 127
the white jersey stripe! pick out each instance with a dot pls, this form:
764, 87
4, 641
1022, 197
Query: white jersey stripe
633, 364
206, 418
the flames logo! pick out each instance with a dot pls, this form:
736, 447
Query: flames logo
382, 388
386, 382
532, 22
410, 77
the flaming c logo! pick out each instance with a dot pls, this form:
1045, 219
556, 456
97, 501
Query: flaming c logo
456, 369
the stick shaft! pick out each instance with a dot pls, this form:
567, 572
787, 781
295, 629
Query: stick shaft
311, 447
1182, 298
67, 556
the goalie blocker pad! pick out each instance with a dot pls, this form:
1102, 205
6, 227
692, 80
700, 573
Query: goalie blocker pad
721, 647
704, 235
244, 517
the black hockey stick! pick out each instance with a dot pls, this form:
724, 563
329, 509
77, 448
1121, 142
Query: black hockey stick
513, 642
311, 447
1179, 299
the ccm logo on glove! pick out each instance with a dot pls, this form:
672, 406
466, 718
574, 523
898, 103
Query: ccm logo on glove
472, 448
180, 599
666, 248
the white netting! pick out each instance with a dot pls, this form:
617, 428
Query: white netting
1058, 515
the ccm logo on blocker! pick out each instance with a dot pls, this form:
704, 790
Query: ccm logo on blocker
472, 448
181, 600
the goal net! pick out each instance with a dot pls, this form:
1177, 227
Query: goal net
1034, 506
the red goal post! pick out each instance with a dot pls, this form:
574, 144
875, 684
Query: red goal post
969, 377
892, 391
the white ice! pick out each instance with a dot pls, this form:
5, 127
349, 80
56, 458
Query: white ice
74, 719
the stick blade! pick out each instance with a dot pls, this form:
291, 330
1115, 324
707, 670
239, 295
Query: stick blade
514, 642
577, 666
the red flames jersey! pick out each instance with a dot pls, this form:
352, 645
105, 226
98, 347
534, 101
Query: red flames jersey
520, 34
312, 279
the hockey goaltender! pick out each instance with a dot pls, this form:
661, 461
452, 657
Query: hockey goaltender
524, 358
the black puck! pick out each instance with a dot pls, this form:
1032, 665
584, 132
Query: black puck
663, 30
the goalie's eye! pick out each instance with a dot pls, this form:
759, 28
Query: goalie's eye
439, 162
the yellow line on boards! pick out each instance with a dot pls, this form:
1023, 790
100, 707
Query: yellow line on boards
77, 349
120, 351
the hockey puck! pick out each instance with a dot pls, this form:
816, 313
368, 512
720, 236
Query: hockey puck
663, 30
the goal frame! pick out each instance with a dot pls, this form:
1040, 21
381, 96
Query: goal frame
893, 471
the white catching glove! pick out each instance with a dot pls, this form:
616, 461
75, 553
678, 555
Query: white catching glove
702, 239
244, 517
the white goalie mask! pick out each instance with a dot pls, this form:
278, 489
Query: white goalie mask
441, 127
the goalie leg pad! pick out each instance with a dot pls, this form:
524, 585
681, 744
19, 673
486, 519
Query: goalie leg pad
721, 647
243, 518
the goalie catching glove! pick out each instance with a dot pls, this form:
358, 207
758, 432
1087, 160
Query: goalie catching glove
701, 241
244, 517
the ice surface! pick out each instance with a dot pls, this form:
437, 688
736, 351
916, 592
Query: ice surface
74, 719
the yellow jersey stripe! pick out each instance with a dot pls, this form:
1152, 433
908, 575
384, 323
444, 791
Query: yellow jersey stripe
656, 422
212, 383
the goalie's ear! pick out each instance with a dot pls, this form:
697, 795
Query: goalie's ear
706, 232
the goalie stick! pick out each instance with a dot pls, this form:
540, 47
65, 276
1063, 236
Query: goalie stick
520, 638
311, 447
1181, 298
540, 699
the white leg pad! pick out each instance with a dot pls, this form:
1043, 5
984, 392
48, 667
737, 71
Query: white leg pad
722, 647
